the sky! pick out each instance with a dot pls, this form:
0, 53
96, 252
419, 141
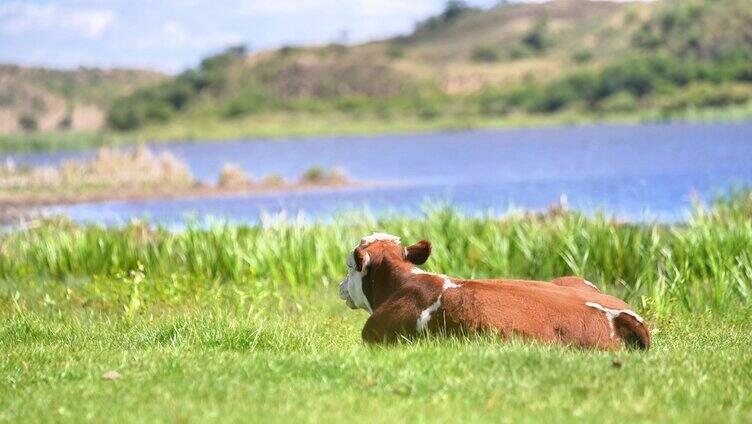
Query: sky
171, 35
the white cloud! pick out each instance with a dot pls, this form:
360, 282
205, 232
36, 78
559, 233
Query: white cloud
19, 18
91, 22
364, 7
272, 7
395, 7
175, 33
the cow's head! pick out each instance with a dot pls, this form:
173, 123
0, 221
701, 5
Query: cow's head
377, 267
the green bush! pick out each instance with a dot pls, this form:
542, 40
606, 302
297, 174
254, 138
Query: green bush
246, 104
622, 101
634, 76
428, 111
288, 50
621, 85
582, 56
706, 95
396, 51
125, 114
179, 94
158, 111
519, 51
492, 103
28, 122
65, 123
354, 105
314, 174
159, 103
538, 38
453, 10
581, 86
485, 54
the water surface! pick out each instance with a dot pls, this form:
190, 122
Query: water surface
635, 172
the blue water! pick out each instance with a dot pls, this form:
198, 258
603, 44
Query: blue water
635, 172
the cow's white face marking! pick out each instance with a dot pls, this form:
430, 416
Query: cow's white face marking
351, 290
611, 314
365, 241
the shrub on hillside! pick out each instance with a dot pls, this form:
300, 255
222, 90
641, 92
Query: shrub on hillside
158, 111
484, 54
285, 51
428, 111
246, 104
492, 102
520, 51
159, 103
125, 114
453, 10
66, 123
706, 95
582, 56
621, 85
354, 105
538, 38
396, 51
699, 29
28, 122
622, 101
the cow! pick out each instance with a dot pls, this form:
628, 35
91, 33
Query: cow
406, 302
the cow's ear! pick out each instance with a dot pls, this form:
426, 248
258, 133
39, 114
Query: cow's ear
362, 259
419, 252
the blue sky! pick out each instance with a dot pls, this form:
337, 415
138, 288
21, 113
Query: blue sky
171, 35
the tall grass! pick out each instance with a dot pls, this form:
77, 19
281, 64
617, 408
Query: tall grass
703, 265
110, 168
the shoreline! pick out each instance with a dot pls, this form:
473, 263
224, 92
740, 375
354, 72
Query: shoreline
301, 126
137, 175
15, 209
27, 201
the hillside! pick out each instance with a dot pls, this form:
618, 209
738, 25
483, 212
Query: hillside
558, 61
52, 100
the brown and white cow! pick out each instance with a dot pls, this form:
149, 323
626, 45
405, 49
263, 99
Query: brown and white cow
405, 302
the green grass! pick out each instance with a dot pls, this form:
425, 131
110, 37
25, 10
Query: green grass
32, 142
236, 323
230, 361
705, 264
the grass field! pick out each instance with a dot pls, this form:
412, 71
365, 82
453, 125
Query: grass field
231, 363
243, 323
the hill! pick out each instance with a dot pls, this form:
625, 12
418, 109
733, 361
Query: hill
51, 100
557, 61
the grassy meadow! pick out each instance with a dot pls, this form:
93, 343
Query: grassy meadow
240, 323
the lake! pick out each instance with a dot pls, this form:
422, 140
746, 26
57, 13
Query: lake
634, 172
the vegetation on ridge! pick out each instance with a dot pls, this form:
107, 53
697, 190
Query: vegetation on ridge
560, 61
668, 56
